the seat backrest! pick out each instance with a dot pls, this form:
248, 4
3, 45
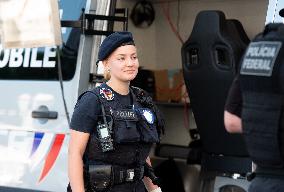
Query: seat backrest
210, 59
237, 28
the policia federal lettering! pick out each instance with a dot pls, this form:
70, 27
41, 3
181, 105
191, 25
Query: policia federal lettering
260, 57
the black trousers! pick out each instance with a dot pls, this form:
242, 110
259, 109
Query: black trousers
263, 184
126, 187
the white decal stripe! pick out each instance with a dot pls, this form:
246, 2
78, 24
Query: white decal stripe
42, 150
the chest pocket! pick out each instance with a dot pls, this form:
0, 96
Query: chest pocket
147, 125
125, 126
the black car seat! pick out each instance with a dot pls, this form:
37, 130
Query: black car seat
210, 60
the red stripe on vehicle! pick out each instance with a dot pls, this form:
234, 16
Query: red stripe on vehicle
52, 155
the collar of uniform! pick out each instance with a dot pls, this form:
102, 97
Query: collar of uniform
118, 97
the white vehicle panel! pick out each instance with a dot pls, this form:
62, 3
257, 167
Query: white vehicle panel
34, 151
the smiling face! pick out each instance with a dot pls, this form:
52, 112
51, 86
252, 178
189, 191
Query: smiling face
122, 64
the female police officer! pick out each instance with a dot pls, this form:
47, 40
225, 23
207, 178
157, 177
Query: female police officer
113, 126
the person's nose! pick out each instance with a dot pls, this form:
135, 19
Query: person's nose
130, 62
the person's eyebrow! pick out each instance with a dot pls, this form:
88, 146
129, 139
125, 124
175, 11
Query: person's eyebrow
123, 54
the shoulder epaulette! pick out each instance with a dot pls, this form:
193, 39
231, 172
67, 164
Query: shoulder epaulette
139, 92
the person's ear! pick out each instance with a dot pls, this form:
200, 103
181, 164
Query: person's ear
104, 64
106, 70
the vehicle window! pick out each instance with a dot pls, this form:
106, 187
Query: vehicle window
41, 63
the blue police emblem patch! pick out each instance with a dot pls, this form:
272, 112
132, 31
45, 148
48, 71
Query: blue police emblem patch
148, 115
106, 94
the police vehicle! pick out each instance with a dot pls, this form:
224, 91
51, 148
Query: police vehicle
34, 130
35, 108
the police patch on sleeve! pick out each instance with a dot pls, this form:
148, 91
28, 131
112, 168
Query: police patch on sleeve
148, 115
260, 57
106, 94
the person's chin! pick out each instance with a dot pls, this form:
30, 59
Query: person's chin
130, 77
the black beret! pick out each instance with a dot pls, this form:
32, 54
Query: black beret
112, 42
281, 12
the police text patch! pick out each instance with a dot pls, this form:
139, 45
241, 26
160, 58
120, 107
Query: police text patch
125, 115
260, 58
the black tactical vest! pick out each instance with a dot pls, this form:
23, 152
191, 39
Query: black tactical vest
261, 77
134, 130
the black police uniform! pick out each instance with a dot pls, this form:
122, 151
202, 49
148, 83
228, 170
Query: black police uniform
257, 95
133, 122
